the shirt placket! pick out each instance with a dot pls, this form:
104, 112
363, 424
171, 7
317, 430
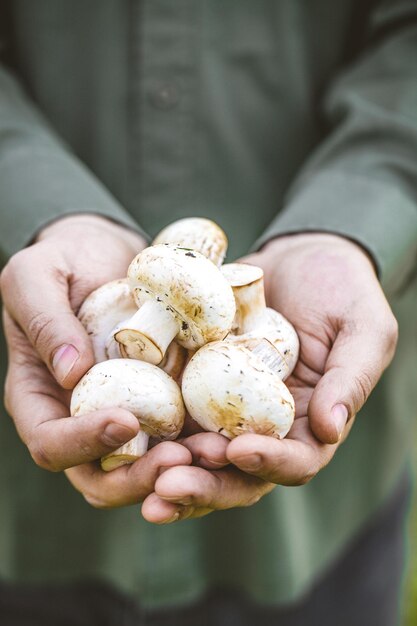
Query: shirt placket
164, 43
164, 60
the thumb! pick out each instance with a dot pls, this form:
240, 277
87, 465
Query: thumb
40, 305
354, 366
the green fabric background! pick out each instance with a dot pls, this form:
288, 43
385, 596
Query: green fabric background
270, 118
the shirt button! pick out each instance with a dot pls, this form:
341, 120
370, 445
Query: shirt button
165, 96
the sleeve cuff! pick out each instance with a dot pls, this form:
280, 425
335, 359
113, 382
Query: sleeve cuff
40, 185
373, 213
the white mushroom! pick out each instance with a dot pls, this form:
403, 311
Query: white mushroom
199, 234
230, 390
182, 295
254, 320
106, 308
144, 390
100, 313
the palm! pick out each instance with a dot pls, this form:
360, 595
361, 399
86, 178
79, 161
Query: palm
30, 374
314, 352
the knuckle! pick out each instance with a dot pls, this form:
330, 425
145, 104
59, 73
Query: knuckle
278, 470
87, 450
167, 447
186, 513
7, 395
363, 387
392, 332
165, 451
5, 279
386, 327
305, 478
253, 500
42, 458
38, 328
12, 270
96, 502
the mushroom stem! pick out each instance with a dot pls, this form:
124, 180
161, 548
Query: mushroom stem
174, 361
264, 350
270, 355
254, 320
247, 282
127, 453
112, 348
250, 303
147, 335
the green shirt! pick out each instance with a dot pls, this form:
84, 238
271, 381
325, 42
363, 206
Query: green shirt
269, 117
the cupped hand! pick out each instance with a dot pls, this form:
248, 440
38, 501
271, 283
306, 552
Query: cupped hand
327, 287
42, 288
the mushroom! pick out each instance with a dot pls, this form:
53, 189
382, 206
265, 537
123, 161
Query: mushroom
254, 320
141, 388
101, 313
230, 390
182, 295
199, 234
174, 361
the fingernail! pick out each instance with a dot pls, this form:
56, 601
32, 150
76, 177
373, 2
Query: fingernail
116, 434
64, 360
174, 518
185, 501
250, 463
339, 416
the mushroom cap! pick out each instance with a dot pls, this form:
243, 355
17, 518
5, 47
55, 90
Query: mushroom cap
197, 233
241, 274
248, 289
229, 390
190, 286
143, 389
102, 310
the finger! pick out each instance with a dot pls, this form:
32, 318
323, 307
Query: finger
39, 408
159, 511
61, 443
56, 441
208, 450
40, 305
291, 461
355, 364
199, 488
128, 484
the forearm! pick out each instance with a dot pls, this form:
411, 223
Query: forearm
40, 179
360, 182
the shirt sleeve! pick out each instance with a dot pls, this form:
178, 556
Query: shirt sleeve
361, 182
40, 179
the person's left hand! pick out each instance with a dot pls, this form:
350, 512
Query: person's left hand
327, 287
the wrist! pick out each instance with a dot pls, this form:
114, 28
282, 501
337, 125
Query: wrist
84, 222
311, 242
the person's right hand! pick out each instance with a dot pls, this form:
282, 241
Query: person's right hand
42, 288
